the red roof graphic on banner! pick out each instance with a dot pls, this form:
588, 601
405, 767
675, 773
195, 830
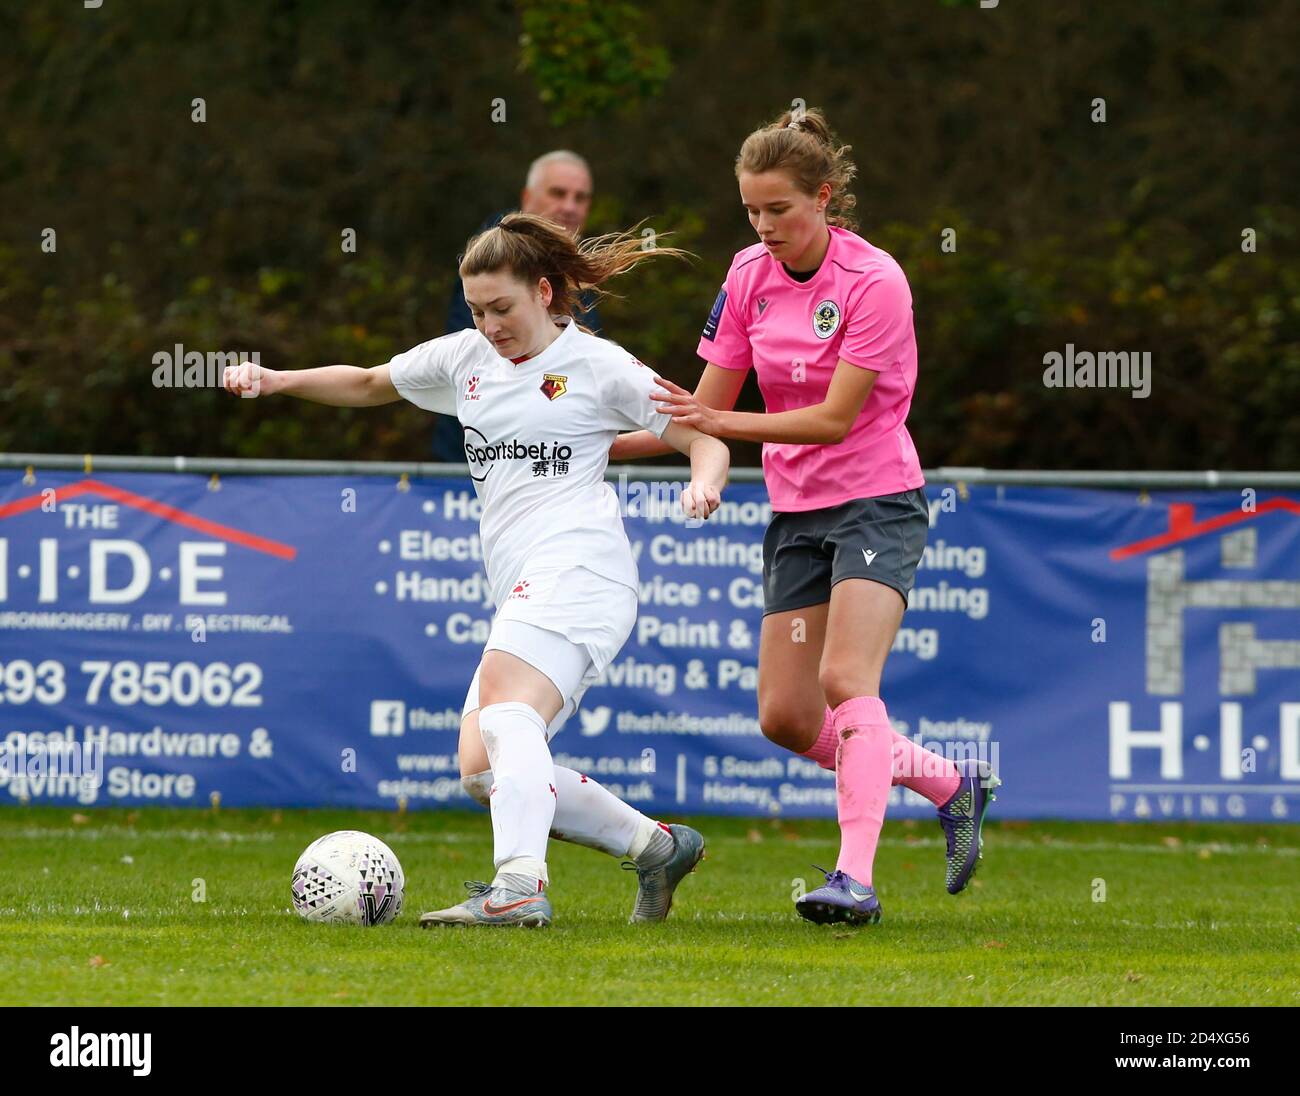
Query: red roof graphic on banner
158, 509
1183, 526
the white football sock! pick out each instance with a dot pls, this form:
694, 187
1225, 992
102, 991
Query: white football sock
523, 793
586, 813
653, 845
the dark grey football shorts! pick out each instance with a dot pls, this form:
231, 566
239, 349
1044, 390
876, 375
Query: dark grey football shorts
807, 552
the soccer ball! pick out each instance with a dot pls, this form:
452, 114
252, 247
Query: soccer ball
348, 877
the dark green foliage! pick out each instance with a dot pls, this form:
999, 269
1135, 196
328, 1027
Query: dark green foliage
378, 117
588, 56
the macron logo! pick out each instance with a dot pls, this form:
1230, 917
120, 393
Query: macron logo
868, 556
595, 721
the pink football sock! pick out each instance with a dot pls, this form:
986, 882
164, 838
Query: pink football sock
862, 774
923, 771
823, 750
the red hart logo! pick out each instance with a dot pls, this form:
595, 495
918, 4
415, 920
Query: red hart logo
553, 386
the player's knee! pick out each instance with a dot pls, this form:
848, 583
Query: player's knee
492, 689
498, 680
478, 786
841, 682
787, 727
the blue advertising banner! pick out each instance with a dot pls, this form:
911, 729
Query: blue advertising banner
308, 641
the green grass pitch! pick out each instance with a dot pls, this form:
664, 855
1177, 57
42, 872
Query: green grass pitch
98, 908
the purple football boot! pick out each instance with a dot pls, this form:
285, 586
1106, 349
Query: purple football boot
962, 818
841, 899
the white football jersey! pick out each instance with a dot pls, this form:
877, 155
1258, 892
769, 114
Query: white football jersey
537, 438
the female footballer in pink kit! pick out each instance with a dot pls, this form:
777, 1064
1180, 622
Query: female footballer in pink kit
825, 319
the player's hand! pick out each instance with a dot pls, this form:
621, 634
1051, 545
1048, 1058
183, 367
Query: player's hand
249, 380
699, 500
685, 408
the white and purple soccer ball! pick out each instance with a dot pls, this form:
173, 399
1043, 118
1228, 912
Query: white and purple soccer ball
348, 877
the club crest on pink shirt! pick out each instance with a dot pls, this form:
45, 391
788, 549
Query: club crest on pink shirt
826, 319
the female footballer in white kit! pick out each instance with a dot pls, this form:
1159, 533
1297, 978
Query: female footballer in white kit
540, 401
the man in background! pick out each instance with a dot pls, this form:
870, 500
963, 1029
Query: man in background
558, 187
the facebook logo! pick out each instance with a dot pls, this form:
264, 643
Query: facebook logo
387, 717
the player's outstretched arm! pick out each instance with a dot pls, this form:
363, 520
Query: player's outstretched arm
710, 461
825, 423
718, 388
334, 385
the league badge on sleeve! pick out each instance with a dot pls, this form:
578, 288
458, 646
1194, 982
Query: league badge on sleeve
715, 314
826, 319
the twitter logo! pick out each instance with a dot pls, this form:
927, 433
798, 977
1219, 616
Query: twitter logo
596, 721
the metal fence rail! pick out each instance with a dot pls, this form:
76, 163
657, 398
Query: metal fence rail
90, 462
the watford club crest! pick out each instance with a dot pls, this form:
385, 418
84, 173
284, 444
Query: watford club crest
553, 386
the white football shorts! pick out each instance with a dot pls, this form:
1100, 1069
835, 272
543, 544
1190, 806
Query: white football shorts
569, 623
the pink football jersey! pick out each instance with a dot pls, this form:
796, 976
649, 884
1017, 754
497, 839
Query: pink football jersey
858, 308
